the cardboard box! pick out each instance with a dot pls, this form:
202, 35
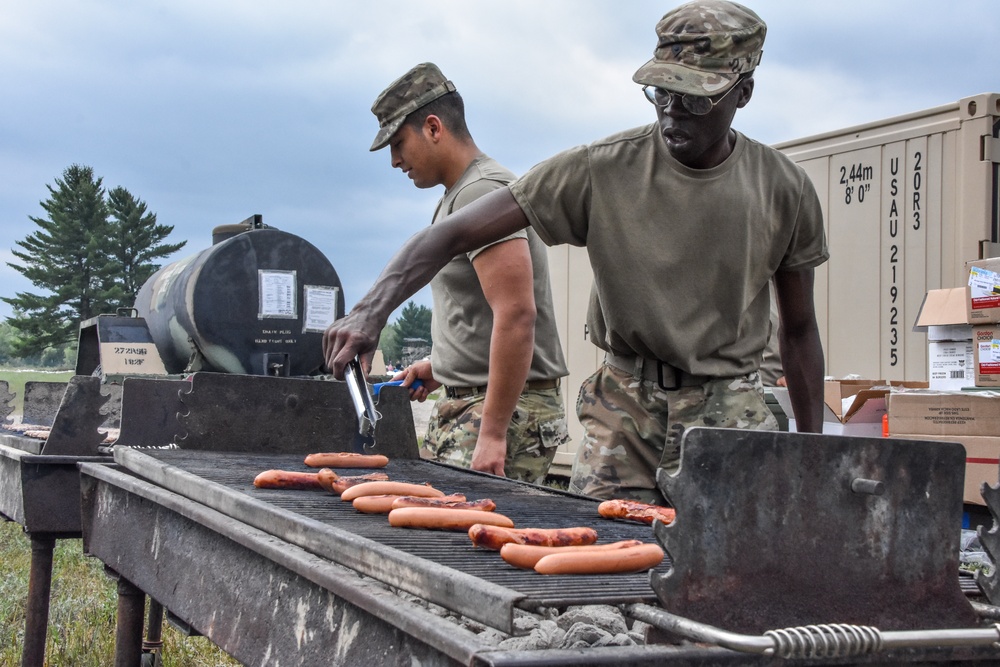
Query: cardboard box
983, 291
950, 352
958, 413
951, 365
986, 355
851, 407
944, 315
982, 461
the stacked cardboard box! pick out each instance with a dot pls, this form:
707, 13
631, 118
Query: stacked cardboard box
970, 418
851, 407
950, 352
983, 310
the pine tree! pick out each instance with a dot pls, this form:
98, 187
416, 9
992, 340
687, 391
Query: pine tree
414, 323
90, 254
64, 257
135, 242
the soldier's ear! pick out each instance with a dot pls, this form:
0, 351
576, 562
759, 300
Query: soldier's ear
433, 128
746, 92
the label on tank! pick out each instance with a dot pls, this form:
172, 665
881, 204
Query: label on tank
131, 359
320, 306
277, 294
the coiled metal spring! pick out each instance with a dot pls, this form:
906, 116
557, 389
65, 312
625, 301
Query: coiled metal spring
826, 641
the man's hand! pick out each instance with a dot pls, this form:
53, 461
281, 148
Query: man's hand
489, 455
422, 371
347, 338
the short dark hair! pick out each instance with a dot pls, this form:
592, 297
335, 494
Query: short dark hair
450, 108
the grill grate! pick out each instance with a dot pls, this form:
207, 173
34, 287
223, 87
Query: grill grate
527, 505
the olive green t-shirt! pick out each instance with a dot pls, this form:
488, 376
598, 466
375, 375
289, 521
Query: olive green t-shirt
681, 257
462, 321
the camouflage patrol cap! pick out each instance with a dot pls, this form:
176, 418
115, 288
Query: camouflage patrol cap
703, 47
421, 85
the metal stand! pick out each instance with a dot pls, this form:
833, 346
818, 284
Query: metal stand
152, 646
128, 633
37, 612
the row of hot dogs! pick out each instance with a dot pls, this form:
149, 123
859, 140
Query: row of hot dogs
410, 505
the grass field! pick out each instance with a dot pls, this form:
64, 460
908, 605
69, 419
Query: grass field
81, 611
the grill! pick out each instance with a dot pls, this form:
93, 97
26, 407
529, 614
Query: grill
300, 578
193, 474
207, 497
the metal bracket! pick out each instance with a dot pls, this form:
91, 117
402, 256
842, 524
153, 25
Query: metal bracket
989, 584
779, 529
41, 402
74, 429
149, 412
990, 149
6, 402
248, 413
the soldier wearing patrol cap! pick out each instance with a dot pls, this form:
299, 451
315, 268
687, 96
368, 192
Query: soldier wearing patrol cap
685, 220
499, 361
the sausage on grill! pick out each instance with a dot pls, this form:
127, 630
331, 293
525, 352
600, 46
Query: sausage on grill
287, 479
445, 518
525, 556
346, 460
493, 537
612, 561
383, 504
390, 488
635, 511
457, 502
337, 484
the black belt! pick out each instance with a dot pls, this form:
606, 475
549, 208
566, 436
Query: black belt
663, 374
532, 385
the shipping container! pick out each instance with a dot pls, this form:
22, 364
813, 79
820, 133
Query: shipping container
906, 200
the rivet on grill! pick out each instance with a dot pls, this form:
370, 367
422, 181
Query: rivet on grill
870, 486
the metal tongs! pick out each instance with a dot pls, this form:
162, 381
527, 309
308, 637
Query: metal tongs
364, 405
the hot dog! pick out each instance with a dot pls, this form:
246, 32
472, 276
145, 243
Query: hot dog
337, 484
390, 488
635, 511
611, 561
287, 479
525, 556
445, 518
457, 502
382, 504
374, 504
346, 460
492, 537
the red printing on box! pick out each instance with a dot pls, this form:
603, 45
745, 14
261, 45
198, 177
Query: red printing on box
981, 302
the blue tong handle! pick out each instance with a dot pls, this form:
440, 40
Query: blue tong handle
376, 388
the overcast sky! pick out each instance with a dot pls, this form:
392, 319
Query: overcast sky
213, 111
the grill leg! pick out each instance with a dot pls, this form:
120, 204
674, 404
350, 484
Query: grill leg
152, 646
37, 613
128, 634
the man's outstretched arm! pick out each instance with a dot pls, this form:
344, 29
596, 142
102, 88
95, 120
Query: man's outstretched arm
484, 221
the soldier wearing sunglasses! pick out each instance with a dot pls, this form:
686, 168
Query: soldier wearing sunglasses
686, 221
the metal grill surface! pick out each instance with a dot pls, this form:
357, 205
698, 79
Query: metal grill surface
529, 506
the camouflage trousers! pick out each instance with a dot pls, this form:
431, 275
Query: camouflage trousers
536, 430
633, 427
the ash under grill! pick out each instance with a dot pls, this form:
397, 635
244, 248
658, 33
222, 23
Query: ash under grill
447, 555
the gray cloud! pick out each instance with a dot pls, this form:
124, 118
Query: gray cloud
211, 112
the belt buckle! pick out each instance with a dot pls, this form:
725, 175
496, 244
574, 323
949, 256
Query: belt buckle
659, 377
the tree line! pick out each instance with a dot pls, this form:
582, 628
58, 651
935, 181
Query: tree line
90, 255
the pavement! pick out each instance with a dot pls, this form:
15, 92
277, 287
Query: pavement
421, 415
